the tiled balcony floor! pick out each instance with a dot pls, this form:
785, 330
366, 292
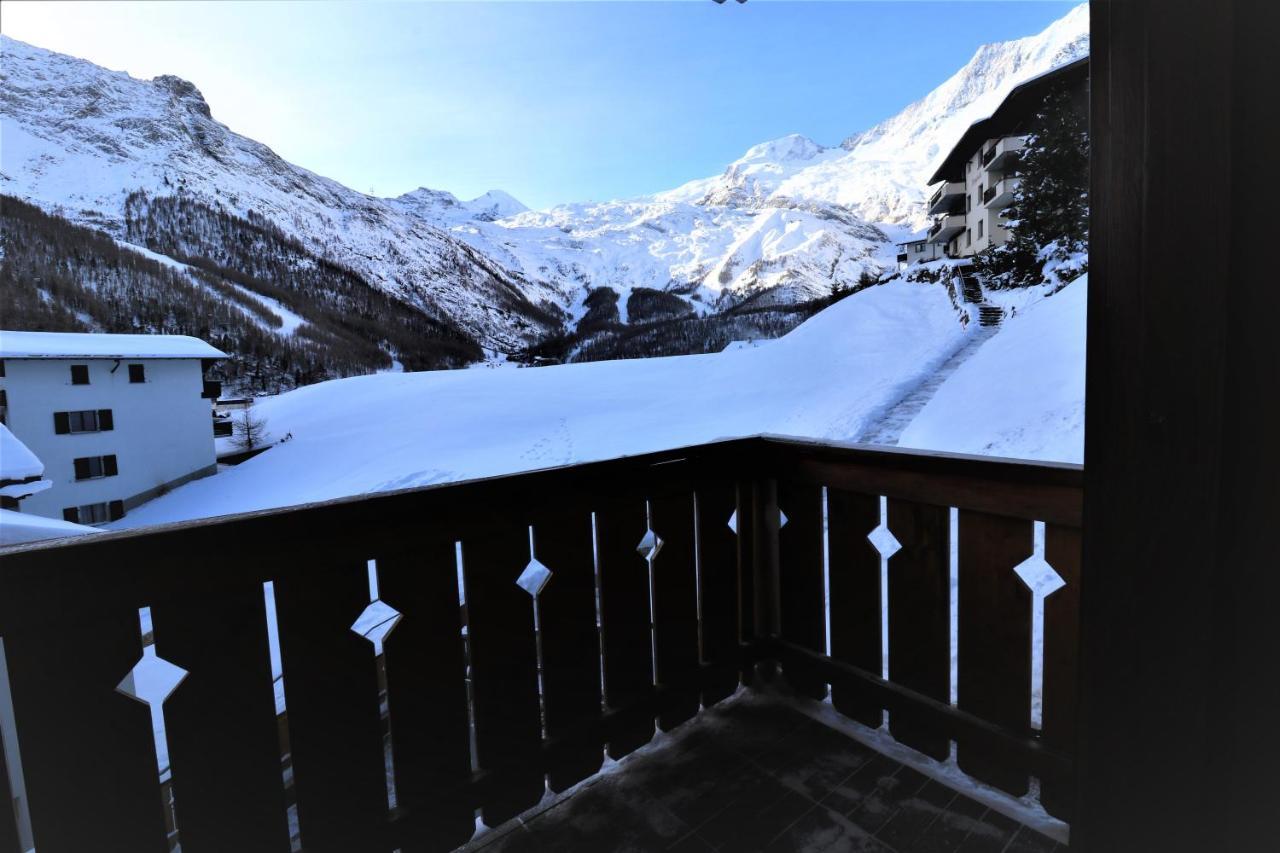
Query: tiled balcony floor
757, 774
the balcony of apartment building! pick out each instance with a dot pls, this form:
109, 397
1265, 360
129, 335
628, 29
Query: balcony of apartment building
752, 644
947, 198
695, 646
1000, 194
1000, 154
945, 227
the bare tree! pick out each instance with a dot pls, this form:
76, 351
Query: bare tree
249, 429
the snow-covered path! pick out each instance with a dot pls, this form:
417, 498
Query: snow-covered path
888, 428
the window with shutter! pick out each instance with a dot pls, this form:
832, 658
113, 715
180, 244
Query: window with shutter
137, 373
79, 374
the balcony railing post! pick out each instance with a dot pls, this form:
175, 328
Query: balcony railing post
766, 584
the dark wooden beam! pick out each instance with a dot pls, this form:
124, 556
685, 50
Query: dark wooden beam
1179, 695
942, 717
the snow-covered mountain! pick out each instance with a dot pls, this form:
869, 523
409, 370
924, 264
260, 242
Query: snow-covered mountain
445, 208
785, 222
880, 174
790, 216
78, 139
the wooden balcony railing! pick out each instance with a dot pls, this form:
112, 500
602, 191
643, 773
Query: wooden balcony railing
765, 545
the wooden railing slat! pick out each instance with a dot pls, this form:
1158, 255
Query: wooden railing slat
1062, 550
8, 819
676, 610
426, 690
624, 606
920, 617
570, 641
718, 566
994, 639
801, 578
88, 753
504, 669
855, 596
221, 725
331, 691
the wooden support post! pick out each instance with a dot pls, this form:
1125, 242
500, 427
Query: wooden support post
1178, 742
765, 582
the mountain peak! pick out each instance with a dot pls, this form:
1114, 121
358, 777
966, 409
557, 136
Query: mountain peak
184, 91
785, 149
495, 204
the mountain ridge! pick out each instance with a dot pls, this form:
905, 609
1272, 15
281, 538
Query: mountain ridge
788, 221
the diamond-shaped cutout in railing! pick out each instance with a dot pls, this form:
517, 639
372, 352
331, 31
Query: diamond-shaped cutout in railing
650, 545
884, 541
376, 621
152, 680
533, 578
733, 520
1039, 576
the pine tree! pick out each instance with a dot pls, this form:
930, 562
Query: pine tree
250, 429
1049, 215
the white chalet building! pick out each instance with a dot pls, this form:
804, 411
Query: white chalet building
116, 419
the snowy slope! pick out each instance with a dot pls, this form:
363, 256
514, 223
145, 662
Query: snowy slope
389, 431
1021, 394
79, 138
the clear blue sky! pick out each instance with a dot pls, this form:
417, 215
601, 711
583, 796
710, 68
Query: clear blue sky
551, 101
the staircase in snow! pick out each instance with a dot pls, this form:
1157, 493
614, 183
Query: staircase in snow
988, 314
888, 428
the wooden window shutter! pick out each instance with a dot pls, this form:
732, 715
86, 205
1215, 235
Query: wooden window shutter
62, 422
82, 469
72, 514
115, 510
109, 468
104, 420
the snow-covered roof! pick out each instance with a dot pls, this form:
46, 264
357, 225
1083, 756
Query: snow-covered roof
92, 345
1017, 106
16, 461
19, 527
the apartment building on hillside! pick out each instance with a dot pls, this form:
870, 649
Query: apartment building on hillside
976, 181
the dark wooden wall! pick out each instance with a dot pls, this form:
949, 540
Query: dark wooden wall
1179, 742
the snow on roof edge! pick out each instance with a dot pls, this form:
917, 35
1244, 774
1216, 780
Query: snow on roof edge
19, 345
17, 462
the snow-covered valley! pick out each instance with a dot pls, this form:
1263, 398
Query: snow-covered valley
829, 379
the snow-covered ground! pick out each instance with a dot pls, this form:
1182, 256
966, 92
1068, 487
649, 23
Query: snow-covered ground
389, 431
829, 378
1022, 392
